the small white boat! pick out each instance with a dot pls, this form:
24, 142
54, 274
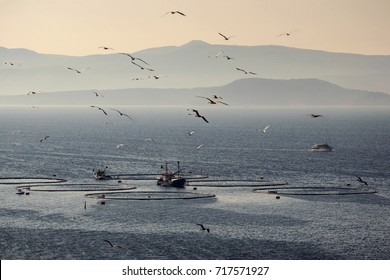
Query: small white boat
321, 148
169, 179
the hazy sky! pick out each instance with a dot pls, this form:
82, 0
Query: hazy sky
79, 27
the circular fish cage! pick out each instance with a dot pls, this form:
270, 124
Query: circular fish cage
30, 180
225, 183
149, 195
76, 188
320, 190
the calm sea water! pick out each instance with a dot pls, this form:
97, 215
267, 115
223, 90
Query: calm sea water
51, 222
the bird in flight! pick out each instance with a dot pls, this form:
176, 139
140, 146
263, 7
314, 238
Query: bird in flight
105, 48
264, 130
134, 58
101, 109
245, 72
123, 114
174, 12
119, 146
141, 67
360, 180
202, 227
211, 101
225, 37
149, 139
112, 244
228, 57
32, 92
12, 63
44, 139
200, 146
198, 115
315, 115
78, 71
190, 133
287, 33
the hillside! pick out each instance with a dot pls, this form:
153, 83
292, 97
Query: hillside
196, 64
243, 92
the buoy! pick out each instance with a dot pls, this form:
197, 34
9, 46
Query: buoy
277, 197
102, 202
194, 188
119, 181
27, 193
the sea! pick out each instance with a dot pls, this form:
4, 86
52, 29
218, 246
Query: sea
262, 195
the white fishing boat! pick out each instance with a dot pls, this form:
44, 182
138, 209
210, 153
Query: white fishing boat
169, 179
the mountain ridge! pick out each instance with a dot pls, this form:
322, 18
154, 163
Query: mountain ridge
195, 64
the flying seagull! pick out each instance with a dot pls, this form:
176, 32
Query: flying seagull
264, 130
315, 115
44, 139
360, 180
213, 101
190, 132
225, 37
198, 115
245, 72
150, 139
101, 109
78, 71
123, 114
119, 145
200, 146
202, 227
175, 12
111, 244
134, 58
141, 67
287, 33
105, 48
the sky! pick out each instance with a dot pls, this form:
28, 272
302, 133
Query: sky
80, 27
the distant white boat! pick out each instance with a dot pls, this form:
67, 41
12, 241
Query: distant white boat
321, 148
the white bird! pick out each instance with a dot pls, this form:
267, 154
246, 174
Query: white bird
264, 130
150, 139
190, 133
200, 146
119, 145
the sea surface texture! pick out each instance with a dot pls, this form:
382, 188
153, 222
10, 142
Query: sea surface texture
262, 195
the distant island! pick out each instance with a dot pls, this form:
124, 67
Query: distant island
242, 92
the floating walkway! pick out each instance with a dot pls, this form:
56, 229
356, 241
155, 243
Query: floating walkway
321, 190
149, 195
30, 180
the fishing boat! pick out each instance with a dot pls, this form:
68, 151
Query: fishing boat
169, 179
100, 174
321, 148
